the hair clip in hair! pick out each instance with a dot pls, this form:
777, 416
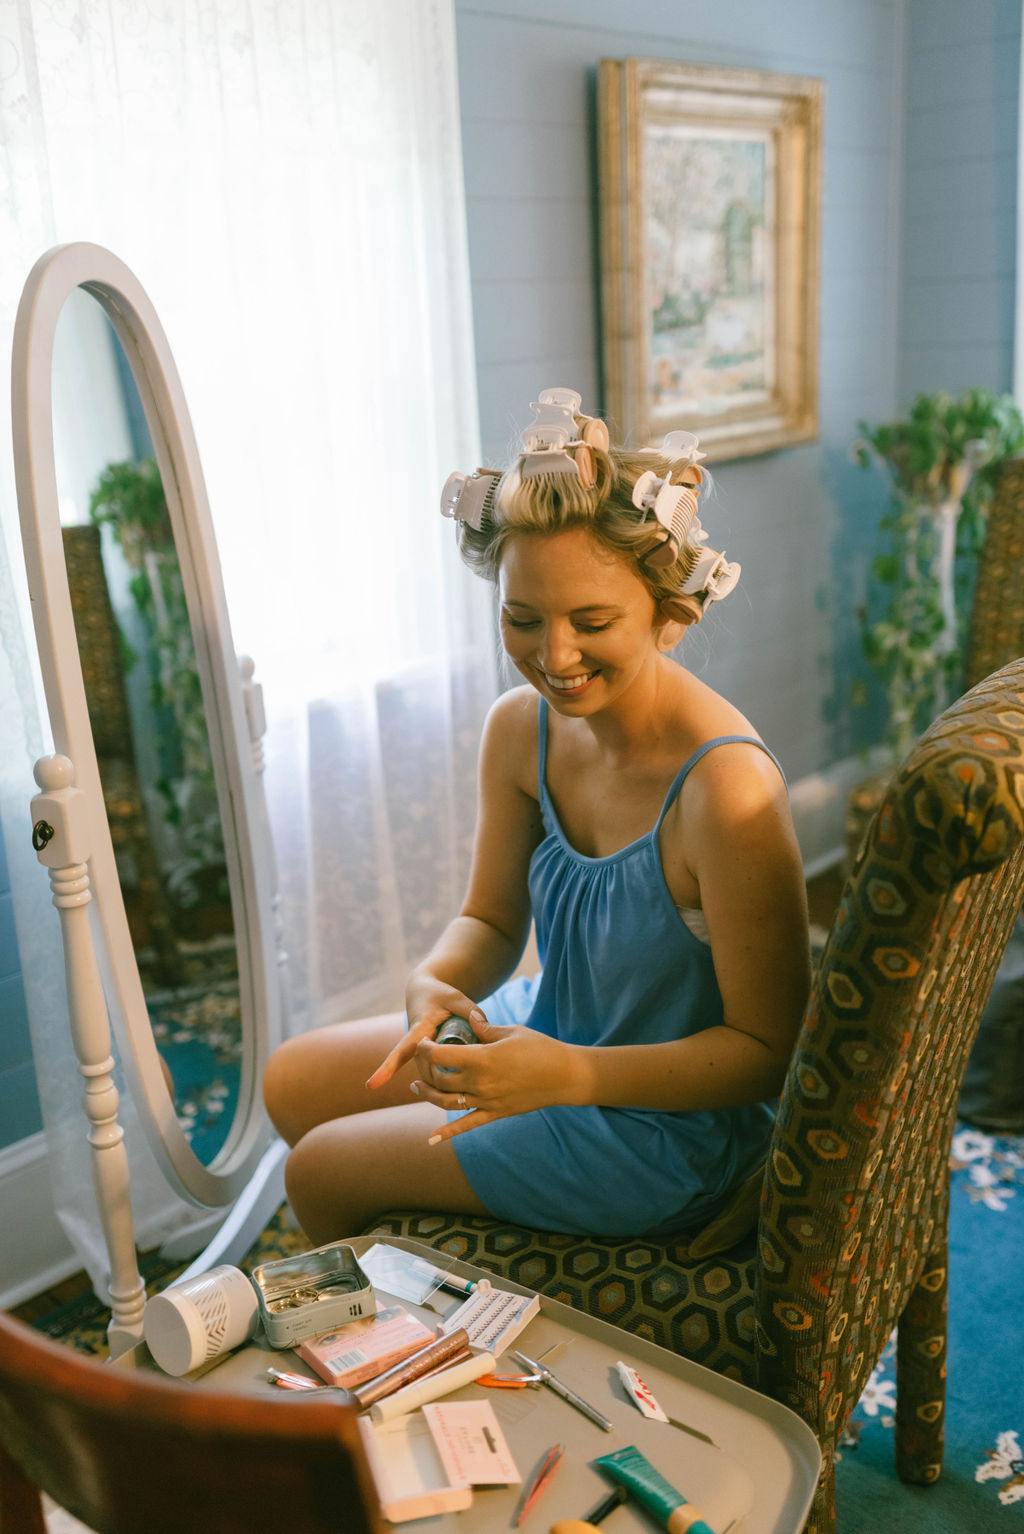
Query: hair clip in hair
683, 451
560, 440
675, 507
712, 577
469, 498
682, 444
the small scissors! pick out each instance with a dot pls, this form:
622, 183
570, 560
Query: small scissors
511, 1381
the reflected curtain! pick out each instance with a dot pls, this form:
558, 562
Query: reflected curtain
285, 181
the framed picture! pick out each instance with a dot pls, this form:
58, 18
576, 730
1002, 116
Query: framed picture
710, 212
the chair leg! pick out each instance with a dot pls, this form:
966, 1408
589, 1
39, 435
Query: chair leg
21, 1507
822, 1517
921, 1375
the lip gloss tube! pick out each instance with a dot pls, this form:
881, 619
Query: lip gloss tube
412, 1368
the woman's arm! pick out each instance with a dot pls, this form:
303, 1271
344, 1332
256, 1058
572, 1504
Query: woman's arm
482, 945
742, 851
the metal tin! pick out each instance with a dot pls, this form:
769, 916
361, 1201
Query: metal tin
312, 1293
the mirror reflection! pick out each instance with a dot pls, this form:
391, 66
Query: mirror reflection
146, 710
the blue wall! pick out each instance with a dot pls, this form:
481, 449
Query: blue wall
960, 229
19, 1101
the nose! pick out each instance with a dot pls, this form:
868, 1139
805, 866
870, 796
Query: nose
559, 649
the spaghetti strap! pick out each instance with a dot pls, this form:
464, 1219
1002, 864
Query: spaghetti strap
542, 748
691, 762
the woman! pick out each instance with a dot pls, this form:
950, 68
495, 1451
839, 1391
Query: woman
635, 815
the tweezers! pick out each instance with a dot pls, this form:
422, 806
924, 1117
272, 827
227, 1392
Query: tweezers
552, 1460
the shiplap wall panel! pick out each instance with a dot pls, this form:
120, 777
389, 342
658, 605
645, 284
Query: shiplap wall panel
959, 258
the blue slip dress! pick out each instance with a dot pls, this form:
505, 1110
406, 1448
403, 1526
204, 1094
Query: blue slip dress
619, 967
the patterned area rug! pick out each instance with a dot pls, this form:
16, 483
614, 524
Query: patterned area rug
981, 1488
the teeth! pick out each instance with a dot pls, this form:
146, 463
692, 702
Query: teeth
569, 683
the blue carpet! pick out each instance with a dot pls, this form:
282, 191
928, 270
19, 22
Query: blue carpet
199, 1034
981, 1490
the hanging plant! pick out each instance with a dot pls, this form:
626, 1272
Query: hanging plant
940, 464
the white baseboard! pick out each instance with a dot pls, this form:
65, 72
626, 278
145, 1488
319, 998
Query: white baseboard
36, 1252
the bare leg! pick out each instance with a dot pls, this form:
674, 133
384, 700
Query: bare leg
356, 1152
342, 1174
321, 1075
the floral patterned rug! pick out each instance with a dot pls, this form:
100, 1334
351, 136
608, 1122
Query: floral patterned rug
981, 1488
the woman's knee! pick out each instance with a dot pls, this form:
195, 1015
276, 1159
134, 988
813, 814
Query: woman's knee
286, 1088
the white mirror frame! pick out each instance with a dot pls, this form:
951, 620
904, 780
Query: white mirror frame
237, 755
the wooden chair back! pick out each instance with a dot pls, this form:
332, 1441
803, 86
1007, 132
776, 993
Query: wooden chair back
125, 1450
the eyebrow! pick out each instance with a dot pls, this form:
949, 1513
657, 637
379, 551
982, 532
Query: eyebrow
594, 607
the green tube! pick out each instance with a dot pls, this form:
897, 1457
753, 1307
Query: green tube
629, 1468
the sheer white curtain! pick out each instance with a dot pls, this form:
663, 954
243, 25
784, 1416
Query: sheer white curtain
285, 181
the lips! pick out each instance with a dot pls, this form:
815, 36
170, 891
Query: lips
569, 684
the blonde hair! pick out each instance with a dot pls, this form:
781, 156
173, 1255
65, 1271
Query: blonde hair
553, 503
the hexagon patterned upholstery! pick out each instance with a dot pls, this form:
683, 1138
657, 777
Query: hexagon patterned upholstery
851, 1235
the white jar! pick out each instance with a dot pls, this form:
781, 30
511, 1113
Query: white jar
200, 1318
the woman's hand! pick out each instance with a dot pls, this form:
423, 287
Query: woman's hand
512, 1070
427, 1004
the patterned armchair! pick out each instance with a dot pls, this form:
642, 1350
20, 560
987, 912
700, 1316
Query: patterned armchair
851, 1232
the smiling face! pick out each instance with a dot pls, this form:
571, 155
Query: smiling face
576, 620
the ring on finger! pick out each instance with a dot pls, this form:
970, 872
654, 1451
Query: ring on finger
462, 1100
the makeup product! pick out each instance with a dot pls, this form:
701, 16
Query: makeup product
360, 1351
432, 1387
199, 1319
549, 1465
294, 1381
312, 1293
454, 1030
555, 1384
440, 1350
640, 1394
596, 1515
494, 1317
630, 1469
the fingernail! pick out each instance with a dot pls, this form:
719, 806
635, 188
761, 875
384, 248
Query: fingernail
476, 1016
434, 1140
414, 1086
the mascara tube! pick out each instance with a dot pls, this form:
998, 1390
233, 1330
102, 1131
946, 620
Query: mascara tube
447, 1346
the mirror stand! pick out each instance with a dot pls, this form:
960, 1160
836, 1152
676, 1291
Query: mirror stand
172, 751
60, 836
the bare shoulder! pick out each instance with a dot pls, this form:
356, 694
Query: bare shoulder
736, 778
510, 738
734, 781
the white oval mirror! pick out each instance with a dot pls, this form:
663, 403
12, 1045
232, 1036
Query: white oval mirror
144, 696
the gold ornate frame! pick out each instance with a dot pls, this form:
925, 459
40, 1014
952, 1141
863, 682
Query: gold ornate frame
662, 125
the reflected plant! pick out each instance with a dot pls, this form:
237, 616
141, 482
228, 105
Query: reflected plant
940, 464
129, 498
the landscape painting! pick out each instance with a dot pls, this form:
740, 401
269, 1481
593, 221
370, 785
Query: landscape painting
710, 203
